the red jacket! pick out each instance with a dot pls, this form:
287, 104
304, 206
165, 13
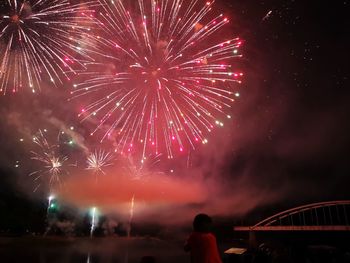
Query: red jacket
203, 248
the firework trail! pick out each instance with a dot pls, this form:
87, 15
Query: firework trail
267, 16
138, 172
168, 80
50, 198
131, 215
49, 205
93, 221
39, 40
98, 160
54, 164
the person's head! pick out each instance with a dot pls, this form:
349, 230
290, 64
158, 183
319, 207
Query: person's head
202, 223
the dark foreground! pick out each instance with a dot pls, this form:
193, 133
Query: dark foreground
86, 250
270, 248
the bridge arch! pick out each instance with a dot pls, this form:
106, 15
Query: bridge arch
331, 215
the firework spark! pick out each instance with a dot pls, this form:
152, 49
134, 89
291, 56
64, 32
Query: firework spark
169, 77
145, 168
54, 164
40, 40
99, 160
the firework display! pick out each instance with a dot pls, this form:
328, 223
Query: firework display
123, 120
98, 160
41, 40
154, 78
163, 78
54, 164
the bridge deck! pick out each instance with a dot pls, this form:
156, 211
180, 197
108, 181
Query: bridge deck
292, 228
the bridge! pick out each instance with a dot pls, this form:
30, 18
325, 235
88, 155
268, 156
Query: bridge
323, 216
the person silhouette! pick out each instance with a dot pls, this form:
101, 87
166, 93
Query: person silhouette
202, 243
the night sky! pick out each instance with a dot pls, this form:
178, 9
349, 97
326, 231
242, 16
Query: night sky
297, 63
289, 142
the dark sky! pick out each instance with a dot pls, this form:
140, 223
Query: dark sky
290, 138
297, 62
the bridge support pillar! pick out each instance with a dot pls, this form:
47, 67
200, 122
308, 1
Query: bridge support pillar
252, 242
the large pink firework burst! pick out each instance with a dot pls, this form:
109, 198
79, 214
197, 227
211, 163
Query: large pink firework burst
167, 78
41, 40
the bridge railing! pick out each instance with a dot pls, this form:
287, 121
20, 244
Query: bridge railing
324, 216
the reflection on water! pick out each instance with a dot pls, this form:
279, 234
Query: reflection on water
85, 250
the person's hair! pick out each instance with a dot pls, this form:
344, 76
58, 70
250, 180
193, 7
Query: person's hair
202, 223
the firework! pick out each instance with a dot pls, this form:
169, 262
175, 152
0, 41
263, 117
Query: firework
168, 79
93, 213
40, 40
131, 215
99, 160
145, 168
49, 203
53, 163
